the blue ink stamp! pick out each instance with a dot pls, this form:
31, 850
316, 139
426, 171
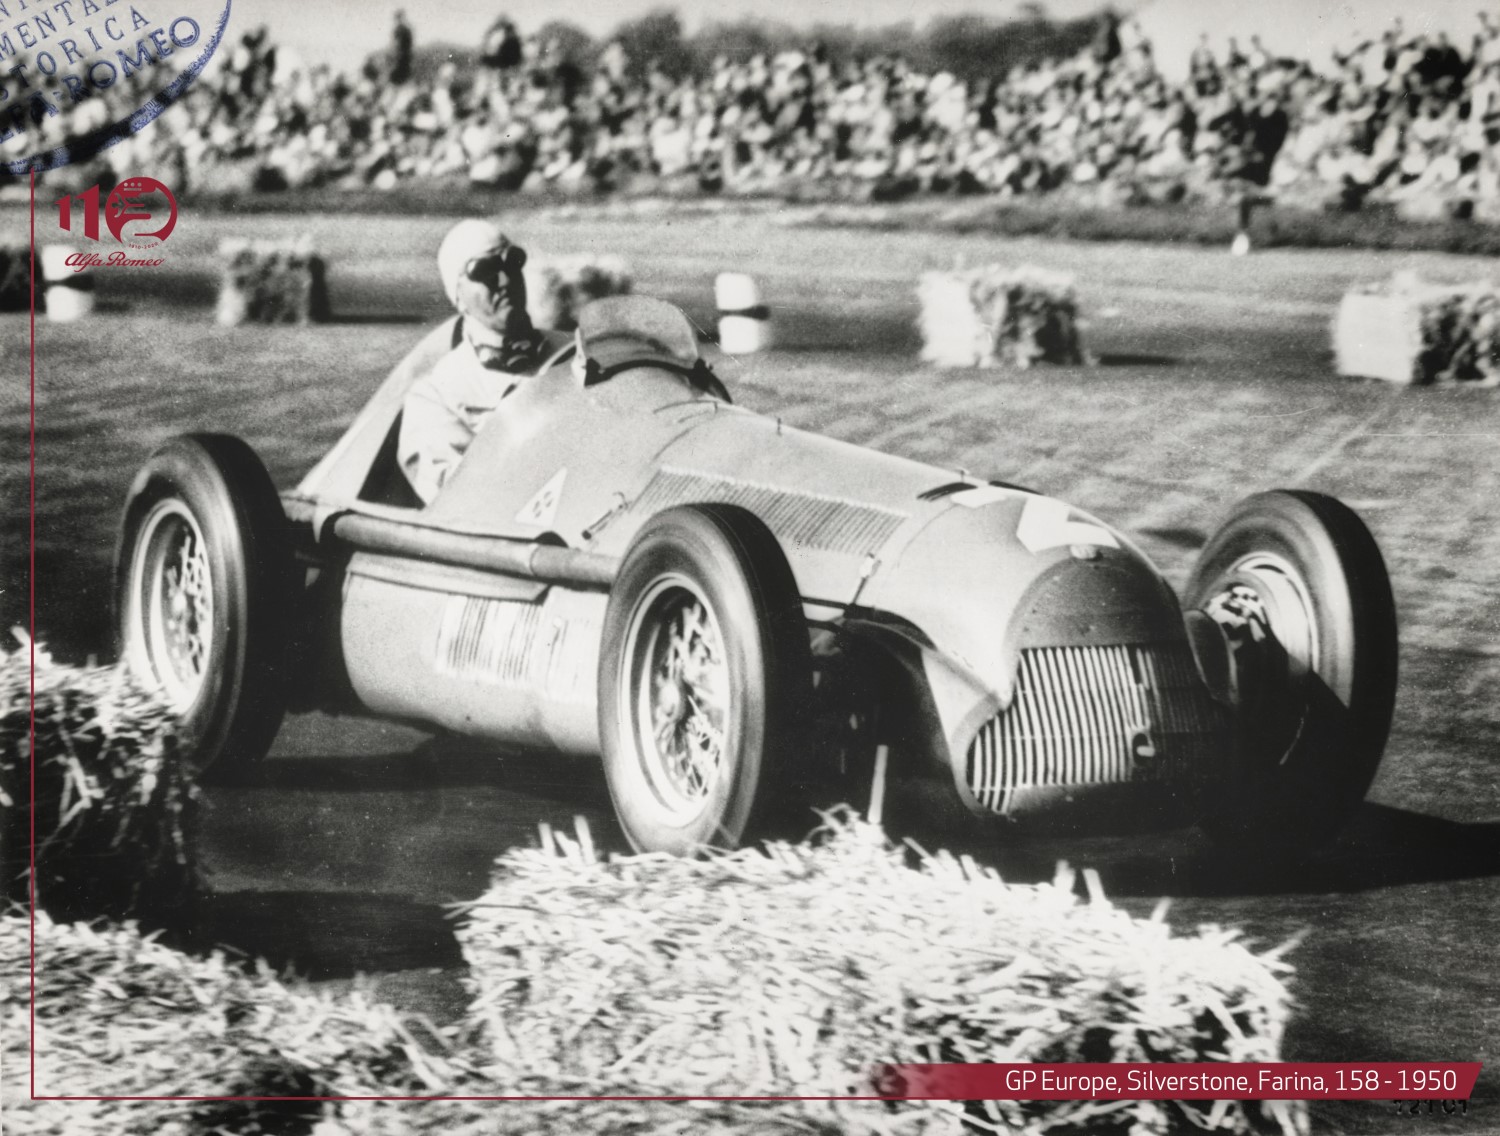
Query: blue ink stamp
78, 76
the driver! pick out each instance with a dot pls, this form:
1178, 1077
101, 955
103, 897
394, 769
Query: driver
444, 409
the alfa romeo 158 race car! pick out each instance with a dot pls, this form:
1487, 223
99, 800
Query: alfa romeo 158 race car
626, 564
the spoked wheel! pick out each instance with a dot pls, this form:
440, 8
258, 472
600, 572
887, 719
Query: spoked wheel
172, 591
674, 650
1294, 625
703, 677
205, 583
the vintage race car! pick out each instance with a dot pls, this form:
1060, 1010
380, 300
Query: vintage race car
725, 608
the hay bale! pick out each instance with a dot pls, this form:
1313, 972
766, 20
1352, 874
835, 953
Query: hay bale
1408, 331
791, 971
796, 969
15, 278
114, 801
119, 1013
978, 316
557, 287
271, 282
601, 1117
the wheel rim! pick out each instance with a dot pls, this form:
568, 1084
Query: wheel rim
1266, 590
674, 696
1267, 613
172, 604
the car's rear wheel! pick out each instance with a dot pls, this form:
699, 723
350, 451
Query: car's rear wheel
704, 677
204, 586
1295, 625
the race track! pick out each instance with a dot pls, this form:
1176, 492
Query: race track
1214, 382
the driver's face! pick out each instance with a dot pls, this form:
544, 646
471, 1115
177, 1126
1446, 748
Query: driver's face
492, 291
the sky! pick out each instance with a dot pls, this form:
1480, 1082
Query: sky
344, 32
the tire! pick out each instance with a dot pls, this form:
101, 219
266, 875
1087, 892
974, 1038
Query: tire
218, 656
705, 595
1315, 682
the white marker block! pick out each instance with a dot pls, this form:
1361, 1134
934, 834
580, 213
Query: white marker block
744, 322
67, 294
1378, 337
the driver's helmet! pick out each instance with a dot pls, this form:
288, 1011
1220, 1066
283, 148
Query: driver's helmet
471, 244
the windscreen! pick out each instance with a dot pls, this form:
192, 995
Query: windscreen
618, 328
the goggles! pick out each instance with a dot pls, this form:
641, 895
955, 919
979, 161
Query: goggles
488, 269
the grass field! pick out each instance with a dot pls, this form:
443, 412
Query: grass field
1215, 381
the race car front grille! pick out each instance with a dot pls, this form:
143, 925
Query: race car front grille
1096, 716
805, 520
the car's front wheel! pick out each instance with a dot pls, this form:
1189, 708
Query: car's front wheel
1295, 626
204, 585
704, 678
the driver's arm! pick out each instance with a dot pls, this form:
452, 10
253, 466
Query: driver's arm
437, 425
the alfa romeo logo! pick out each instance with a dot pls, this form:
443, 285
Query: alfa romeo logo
140, 202
140, 212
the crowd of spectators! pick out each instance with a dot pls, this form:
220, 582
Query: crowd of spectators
1404, 116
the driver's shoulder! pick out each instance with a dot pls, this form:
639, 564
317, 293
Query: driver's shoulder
429, 351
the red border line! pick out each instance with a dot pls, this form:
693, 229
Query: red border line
32, 882
31, 581
673, 1099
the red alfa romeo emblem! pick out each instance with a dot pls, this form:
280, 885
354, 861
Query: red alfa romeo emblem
141, 202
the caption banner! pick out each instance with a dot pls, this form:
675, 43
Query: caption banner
1284, 1080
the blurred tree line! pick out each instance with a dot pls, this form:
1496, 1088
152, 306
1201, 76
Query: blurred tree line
972, 47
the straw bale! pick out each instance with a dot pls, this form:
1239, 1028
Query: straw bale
1406, 330
271, 282
806, 965
795, 969
15, 278
118, 1013
557, 287
114, 802
979, 316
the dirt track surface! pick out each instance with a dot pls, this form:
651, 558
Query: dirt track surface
1215, 381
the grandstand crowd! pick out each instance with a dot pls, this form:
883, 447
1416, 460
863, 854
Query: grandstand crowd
1406, 116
